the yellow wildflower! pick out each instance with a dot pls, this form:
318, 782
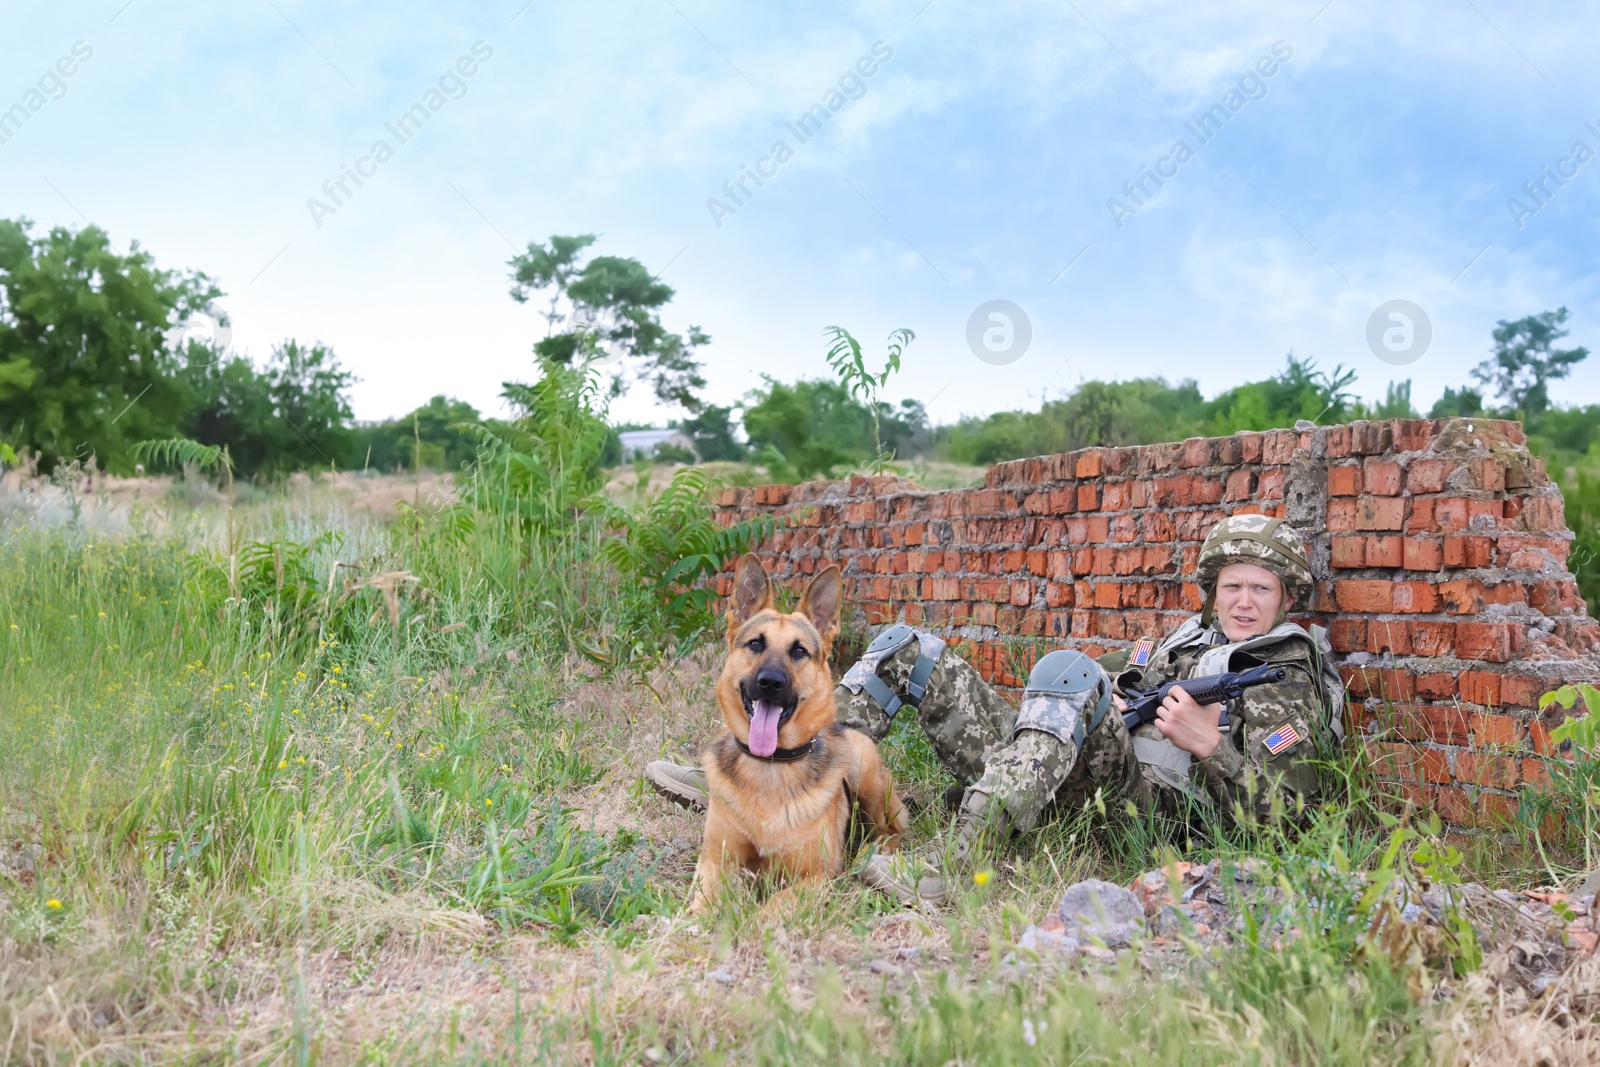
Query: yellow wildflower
488, 803
53, 904
282, 764
981, 878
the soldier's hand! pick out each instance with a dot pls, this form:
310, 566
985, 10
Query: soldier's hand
1190, 726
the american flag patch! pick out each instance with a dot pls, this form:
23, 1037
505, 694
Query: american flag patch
1282, 738
1141, 652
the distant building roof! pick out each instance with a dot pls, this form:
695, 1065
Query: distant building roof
645, 442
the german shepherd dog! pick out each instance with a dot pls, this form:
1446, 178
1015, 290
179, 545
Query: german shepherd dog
785, 776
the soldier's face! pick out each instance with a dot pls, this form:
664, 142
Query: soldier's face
1248, 599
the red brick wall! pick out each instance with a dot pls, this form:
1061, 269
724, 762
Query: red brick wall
1439, 546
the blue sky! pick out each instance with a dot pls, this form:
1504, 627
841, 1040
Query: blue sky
1375, 163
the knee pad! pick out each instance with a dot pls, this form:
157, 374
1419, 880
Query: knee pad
864, 673
1068, 695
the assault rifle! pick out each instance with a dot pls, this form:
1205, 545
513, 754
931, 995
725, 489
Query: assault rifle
1212, 689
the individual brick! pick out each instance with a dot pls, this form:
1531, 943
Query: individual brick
1453, 806
1432, 638
1480, 687
1421, 517
1239, 486
1427, 475
1344, 480
1535, 775
1349, 552
1447, 725
1423, 554
1436, 686
1523, 690
1490, 771
1488, 474
1368, 597
1197, 452
1490, 641
1416, 597
1542, 513
1383, 683
1381, 477
1384, 550
1380, 513
1491, 729
1348, 635
1399, 720
1465, 550
1389, 635
1451, 513
1270, 486
1462, 597
1539, 738
1413, 435
1496, 811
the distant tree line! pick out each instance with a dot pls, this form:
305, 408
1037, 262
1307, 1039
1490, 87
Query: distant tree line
94, 357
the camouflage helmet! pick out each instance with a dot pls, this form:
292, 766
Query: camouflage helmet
1263, 541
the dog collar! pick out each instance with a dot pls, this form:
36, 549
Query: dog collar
781, 755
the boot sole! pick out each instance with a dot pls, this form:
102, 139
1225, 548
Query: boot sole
693, 801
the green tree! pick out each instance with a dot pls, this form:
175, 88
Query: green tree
436, 436
1299, 391
1139, 411
712, 433
292, 414
608, 306
85, 364
1455, 402
1524, 361
1396, 403
814, 426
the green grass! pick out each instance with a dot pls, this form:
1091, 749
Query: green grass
254, 808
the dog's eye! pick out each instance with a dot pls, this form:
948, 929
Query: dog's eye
798, 651
756, 644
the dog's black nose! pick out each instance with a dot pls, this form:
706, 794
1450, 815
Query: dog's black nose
771, 682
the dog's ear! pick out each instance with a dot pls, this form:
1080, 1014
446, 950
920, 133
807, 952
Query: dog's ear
821, 603
752, 592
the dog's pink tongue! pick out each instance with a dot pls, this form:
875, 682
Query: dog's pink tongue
764, 728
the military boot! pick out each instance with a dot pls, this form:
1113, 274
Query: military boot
980, 822
683, 785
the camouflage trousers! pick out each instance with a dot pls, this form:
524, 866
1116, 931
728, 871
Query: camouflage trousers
972, 730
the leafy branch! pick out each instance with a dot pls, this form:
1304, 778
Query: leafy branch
850, 366
672, 546
182, 452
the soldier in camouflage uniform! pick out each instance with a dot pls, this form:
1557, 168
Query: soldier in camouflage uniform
1068, 739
